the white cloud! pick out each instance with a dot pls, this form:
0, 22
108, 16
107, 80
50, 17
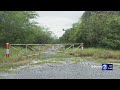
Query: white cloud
57, 20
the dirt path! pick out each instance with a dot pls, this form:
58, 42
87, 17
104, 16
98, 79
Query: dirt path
65, 70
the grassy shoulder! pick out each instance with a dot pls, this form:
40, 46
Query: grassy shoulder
16, 59
97, 54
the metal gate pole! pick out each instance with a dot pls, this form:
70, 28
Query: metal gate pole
82, 46
26, 49
39, 48
7, 50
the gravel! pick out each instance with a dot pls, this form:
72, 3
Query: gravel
82, 70
66, 70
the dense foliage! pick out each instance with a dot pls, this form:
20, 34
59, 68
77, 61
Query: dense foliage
96, 29
20, 27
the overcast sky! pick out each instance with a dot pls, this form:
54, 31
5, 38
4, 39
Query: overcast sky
56, 21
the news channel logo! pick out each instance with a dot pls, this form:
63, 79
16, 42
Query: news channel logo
107, 66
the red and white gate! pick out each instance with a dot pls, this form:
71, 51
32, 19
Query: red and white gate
29, 46
7, 50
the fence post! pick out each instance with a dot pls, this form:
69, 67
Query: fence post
7, 50
26, 49
82, 46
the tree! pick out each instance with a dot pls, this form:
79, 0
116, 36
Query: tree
96, 29
19, 27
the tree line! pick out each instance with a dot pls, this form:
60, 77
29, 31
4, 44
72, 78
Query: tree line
99, 29
19, 27
94, 29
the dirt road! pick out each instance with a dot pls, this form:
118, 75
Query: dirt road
82, 70
65, 70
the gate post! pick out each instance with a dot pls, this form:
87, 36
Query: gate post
82, 46
7, 50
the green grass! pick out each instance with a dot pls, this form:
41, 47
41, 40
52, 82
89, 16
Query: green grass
97, 54
16, 59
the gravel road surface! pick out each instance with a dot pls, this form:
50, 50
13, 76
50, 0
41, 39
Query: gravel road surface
82, 70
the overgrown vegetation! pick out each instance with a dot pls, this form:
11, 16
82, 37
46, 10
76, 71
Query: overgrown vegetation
16, 59
97, 54
20, 27
100, 29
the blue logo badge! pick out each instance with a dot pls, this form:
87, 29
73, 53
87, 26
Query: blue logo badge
107, 66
